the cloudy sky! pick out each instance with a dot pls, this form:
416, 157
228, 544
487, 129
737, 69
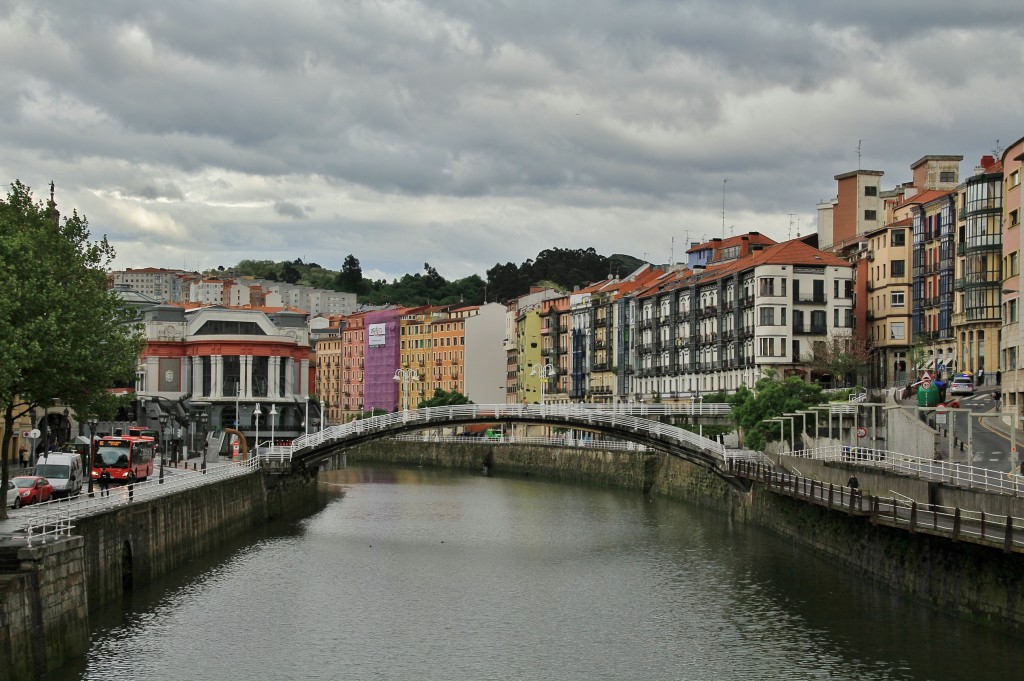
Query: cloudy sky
469, 132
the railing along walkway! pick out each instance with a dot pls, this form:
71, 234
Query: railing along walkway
56, 517
978, 527
960, 474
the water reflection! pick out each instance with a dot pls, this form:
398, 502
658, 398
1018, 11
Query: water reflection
414, 573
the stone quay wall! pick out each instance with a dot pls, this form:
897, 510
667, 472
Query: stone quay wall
46, 590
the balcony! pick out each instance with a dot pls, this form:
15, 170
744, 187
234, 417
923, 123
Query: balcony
646, 323
600, 366
545, 330
601, 321
810, 298
810, 329
746, 301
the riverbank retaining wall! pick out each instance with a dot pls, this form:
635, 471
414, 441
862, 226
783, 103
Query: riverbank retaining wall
46, 590
980, 583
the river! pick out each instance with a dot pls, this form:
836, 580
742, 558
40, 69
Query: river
422, 574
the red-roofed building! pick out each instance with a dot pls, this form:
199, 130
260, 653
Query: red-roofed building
720, 327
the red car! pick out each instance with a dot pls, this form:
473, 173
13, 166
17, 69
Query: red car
33, 489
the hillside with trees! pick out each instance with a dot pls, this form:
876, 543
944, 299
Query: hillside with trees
561, 268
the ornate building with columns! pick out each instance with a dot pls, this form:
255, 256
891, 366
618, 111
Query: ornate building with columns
224, 362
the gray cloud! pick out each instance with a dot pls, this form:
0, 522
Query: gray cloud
466, 133
290, 210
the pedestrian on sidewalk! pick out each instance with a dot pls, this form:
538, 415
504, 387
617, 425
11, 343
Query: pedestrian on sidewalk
853, 483
131, 483
23, 455
105, 484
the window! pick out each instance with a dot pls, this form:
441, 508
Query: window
1014, 264
898, 299
947, 176
898, 268
870, 215
1011, 311
897, 331
767, 286
767, 317
1014, 218
1015, 178
767, 347
870, 191
899, 237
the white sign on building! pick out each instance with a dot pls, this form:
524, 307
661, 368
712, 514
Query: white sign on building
376, 335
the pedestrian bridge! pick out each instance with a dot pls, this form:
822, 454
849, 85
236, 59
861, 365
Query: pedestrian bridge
624, 421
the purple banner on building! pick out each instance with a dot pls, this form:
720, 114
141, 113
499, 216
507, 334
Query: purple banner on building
380, 389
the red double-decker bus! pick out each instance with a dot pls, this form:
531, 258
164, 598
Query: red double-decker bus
122, 453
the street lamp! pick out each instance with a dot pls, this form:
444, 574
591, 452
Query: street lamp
305, 422
546, 371
404, 376
273, 424
323, 416
204, 418
257, 413
163, 424
93, 424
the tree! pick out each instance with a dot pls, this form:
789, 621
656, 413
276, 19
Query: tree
290, 273
350, 279
839, 356
771, 397
63, 334
443, 398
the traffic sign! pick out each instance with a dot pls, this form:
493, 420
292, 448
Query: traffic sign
34, 434
861, 431
926, 384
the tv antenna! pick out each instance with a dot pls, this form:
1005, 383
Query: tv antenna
858, 154
724, 180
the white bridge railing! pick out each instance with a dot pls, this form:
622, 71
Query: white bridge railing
623, 417
959, 474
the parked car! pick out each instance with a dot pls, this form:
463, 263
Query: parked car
961, 385
13, 498
64, 471
33, 489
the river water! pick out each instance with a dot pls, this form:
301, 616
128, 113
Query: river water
420, 574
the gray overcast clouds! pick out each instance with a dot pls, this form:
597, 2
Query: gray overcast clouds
465, 132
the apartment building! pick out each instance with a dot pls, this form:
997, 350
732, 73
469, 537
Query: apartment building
1010, 375
168, 286
888, 299
977, 317
485, 355
721, 327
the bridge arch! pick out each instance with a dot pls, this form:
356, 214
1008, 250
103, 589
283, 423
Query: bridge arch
618, 423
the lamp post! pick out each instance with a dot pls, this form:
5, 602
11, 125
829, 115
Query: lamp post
545, 372
814, 413
323, 416
93, 424
163, 425
273, 425
204, 418
404, 376
35, 427
305, 422
257, 413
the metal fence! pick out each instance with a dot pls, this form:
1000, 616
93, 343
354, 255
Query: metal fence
960, 474
56, 517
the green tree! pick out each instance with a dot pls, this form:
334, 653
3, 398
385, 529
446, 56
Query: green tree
443, 398
350, 279
771, 397
63, 334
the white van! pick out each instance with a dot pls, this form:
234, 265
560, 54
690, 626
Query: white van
64, 471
